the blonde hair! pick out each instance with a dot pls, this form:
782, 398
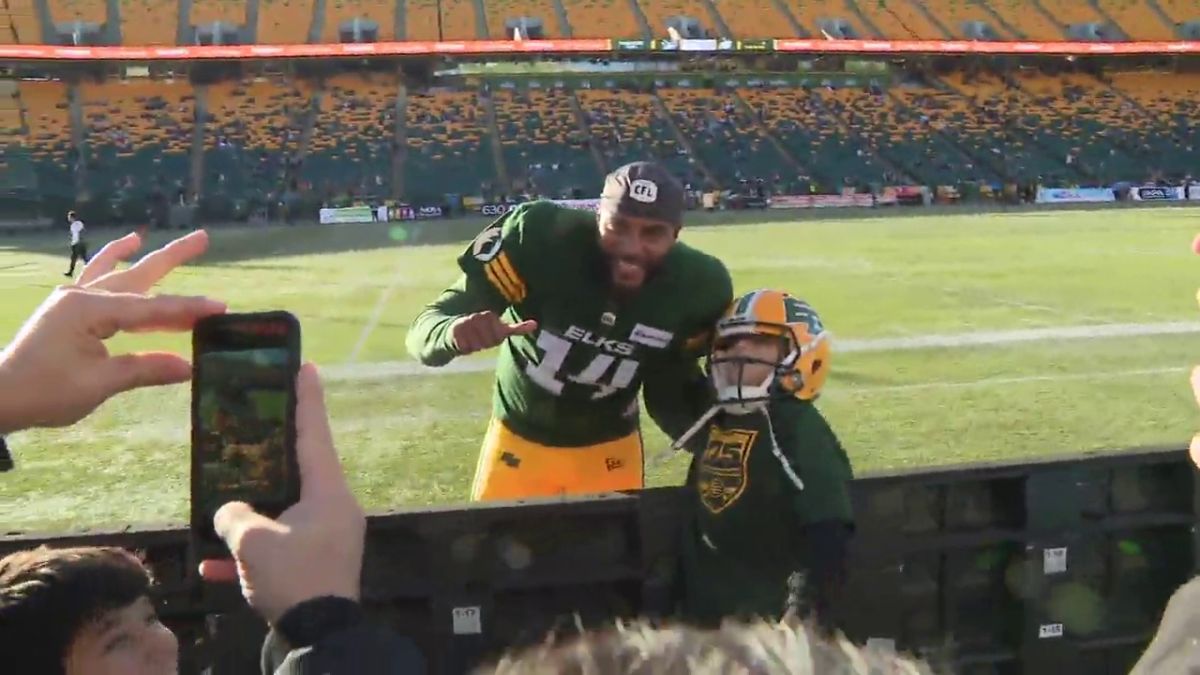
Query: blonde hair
756, 648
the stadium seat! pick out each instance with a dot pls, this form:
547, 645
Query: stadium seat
252, 129
959, 16
1079, 116
225, 11
1022, 16
626, 127
1181, 11
754, 18
659, 12
816, 17
995, 123
900, 20
449, 145
139, 134
354, 134
1070, 12
800, 121
459, 20
725, 137
1137, 20
543, 146
603, 18
338, 12
149, 22
421, 20
23, 25
1165, 124
87, 11
49, 133
284, 21
897, 124
500, 11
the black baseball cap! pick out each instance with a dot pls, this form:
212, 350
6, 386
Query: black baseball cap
643, 190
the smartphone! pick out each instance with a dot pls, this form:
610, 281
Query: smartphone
244, 370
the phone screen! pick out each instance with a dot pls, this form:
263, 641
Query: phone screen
243, 409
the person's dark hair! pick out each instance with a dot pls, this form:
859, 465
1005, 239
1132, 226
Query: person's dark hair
48, 595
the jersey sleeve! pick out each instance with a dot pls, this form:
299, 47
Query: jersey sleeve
677, 392
496, 271
818, 458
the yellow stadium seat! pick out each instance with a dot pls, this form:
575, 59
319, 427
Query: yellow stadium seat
90, 11
900, 20
1137, 20
657, 13
603, 19
421, 19
754, 18
458, 20
1181, 11
149, 22
47, 116
1021, 16
954, 13
338, 12
284, 21
809, 13
498, 11
226, 11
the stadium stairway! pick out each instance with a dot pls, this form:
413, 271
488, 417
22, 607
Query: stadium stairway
943, 30
1109, 20
865, 21
999, 20
853, 127
684, 141
489, 107
1027, 19
789, 158
1135, 21
21, 23
1043, 160
901, 19
581, 122
46, 19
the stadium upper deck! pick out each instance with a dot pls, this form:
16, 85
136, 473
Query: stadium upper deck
158, 22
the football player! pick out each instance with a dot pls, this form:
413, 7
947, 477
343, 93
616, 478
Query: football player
769, 480
586, 308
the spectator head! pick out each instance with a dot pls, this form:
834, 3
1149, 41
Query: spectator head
758, 648
82, 611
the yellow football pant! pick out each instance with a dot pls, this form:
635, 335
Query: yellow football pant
511, 467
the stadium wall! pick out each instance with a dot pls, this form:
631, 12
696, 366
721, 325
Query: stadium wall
1050, 567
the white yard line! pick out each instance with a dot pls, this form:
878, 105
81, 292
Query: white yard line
868, 389
376, 314
391, 369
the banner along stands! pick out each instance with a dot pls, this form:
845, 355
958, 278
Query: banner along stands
820, 201
349, 214
1157, 194
1074, 195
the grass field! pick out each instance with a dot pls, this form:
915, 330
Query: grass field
962, 338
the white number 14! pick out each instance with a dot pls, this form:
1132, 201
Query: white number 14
556, 348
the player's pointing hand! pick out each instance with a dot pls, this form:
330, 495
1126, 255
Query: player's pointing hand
484, 330
57, 369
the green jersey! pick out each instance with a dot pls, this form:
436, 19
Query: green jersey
575, 381
744, 536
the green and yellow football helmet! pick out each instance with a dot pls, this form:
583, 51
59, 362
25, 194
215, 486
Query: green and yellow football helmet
800, 371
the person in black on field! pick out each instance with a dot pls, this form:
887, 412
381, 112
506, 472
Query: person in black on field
78, 245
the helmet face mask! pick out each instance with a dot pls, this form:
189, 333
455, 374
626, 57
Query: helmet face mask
744, 370
769, 345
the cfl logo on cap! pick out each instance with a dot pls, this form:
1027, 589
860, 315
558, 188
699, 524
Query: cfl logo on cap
643, 190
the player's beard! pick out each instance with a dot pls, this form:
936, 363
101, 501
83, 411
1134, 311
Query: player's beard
628, 275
